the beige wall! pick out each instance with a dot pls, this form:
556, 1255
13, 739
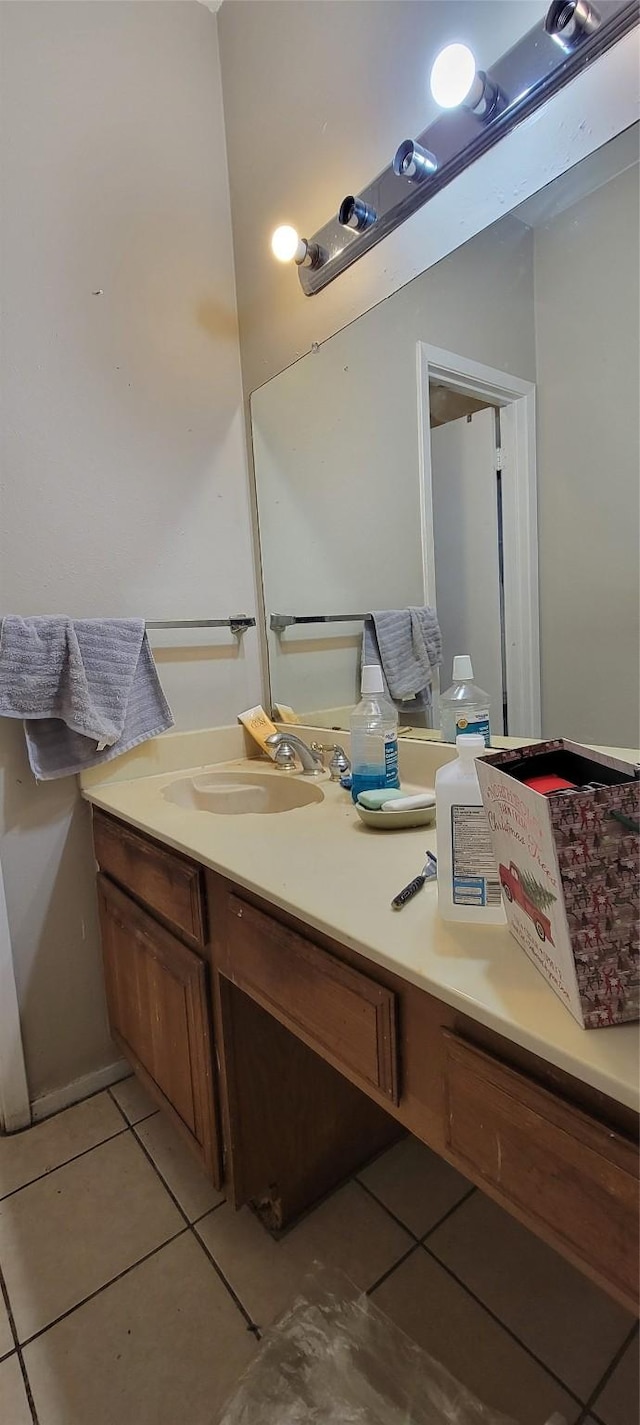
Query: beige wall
317, 95
123, 475
587, 329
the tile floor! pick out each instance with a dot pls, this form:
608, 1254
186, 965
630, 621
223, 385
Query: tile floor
133, 1295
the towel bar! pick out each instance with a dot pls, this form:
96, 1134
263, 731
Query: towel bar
278, 622
238, 623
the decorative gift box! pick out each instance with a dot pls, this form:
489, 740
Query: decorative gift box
569, 866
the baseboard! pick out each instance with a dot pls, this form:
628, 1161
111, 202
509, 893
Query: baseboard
53, 1102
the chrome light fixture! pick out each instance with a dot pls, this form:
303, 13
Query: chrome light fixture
413, 162
570, 21
353, 213
478, 109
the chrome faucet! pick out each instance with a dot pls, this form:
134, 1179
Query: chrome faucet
288, 746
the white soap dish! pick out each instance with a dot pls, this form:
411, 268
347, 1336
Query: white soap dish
384, 820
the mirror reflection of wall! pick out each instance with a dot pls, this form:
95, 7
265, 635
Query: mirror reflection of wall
394, 465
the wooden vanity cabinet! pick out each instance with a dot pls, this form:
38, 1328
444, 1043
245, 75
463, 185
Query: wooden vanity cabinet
157, 986
288, 1060
553, 1152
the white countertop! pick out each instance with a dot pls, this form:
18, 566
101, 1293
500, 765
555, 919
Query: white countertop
324, 866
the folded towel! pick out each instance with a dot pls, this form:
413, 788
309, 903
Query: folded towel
87, 690
407, 644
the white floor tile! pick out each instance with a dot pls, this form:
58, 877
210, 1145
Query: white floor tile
72, 1231
415, 1184
560, 1315
349, 1232
181, 1171
164, 1345
441, 1317
134, 1101
26, 1156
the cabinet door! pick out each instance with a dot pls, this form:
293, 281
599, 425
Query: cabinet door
158, 1010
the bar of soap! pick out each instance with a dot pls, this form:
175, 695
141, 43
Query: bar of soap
372, 801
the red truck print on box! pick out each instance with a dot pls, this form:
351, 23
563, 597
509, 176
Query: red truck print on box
526, 891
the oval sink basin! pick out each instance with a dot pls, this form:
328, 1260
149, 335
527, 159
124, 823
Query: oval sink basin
239, 793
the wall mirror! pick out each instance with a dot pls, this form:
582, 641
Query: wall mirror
472, 443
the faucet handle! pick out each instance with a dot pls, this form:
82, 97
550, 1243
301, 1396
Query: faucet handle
285, 756
339, 764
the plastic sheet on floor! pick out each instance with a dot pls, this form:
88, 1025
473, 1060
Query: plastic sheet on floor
335, 1359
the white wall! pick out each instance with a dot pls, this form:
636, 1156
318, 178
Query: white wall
123, 471
587, 329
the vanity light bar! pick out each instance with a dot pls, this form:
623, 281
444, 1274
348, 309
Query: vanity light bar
572, 35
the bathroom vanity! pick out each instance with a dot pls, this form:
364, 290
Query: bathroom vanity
292, 1025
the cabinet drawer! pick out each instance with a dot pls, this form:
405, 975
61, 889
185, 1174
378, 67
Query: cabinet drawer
566, 1171
169, 884
158, 1002
344, 1015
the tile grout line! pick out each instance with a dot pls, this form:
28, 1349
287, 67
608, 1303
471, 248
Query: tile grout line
4, 1295
447, 1215
208, 1213
585, 1409
606, 1375
48, 1173
398, 1220
390, 1270
191, 1227
27, 1388
251, 1325
122, 1113
145, 1150
502, 1324
100, 1289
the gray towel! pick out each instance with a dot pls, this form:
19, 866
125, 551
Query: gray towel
87, 690
407, 644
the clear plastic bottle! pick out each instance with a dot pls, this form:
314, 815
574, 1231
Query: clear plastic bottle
464, 708
468, 881
374, 737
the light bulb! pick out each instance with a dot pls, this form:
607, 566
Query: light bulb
287, 246
452, 75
